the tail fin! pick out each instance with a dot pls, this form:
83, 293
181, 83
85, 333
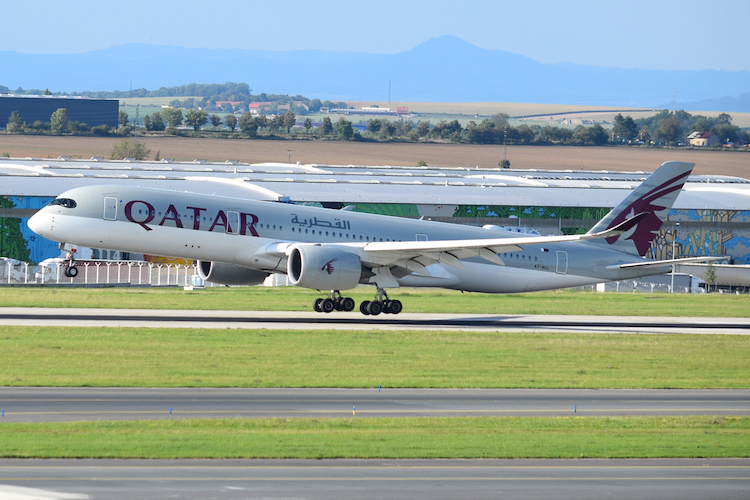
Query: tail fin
655, 197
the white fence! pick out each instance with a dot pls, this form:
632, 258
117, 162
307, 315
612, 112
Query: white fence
104, 272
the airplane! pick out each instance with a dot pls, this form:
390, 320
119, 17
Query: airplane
238, 241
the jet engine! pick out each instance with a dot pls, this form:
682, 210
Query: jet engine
323, 268
229, 274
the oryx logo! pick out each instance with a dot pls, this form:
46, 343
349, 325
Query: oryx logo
328, 266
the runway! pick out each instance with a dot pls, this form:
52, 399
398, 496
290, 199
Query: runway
154, 318
376, 479
37, 404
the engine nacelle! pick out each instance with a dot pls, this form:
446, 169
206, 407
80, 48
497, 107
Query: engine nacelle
323, 268
229, 274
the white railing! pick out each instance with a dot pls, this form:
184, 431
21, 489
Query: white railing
100, 273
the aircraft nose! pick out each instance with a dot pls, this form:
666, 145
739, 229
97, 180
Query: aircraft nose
40, 223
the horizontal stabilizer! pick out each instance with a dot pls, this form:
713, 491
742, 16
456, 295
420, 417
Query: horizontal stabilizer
663, 263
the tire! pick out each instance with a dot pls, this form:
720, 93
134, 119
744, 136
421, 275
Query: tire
395, 306
347, 304
316, 305
375, 307
327, 306
71, 272
363, 307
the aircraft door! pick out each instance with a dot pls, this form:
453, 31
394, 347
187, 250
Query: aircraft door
420, 237
233, 222
562, 262
110, 208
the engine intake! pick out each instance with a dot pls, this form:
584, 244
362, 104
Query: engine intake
229, 274
323, 268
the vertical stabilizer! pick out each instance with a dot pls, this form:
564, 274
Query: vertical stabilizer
654, 197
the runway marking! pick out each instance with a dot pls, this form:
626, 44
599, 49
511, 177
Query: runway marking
378, 479
347, 412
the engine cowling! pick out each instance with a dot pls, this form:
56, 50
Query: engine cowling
229, 274
323, 268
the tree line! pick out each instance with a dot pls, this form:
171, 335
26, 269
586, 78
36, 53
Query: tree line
665, 128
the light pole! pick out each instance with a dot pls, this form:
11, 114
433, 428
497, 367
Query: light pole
674, 238
289, 152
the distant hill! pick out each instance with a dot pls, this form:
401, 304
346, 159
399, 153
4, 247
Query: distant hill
443, 69
739, 104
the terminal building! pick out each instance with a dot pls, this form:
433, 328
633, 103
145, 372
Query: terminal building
33, 108
710, 217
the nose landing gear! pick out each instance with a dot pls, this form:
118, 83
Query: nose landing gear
71, 271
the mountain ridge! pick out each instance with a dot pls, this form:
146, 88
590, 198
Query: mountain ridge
441, 69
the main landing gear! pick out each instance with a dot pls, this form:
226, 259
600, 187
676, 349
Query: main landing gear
337, 302
381, 304
71, 271
334, 301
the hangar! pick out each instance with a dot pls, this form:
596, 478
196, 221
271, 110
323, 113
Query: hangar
81, 109
710, 217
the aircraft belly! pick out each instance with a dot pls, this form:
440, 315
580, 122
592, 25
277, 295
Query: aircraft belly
490, 278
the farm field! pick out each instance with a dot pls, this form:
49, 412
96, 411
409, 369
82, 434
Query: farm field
733, 163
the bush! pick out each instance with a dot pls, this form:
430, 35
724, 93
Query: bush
129, 149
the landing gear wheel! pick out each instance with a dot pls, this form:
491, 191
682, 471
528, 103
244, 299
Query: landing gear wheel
316, 305
347, 304
363, 307
394, 307
327, 306
71, 271
375, 307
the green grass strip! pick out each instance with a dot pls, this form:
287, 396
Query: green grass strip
465, 437
415, 300
142, 357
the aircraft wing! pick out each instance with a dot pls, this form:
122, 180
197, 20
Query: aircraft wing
416, 255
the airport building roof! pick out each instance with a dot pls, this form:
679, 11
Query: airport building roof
363, 184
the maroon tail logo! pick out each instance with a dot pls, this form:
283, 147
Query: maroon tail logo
645, 231
328, 266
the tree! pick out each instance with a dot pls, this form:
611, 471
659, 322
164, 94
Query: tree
500, 120
308, 125
709, 275
669, 129
503, 164
15, 124
423, 128
154, 122
196, 118
46, 92
344, 129
231, 122
248, 125
59, 121
289, 120
215, 120
624, 129
122, 118
421, 163
373, 126
327, 126
262, 121
644, 134
172, 116
129, 149
726, 132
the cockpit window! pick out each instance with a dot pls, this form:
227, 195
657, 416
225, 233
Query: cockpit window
64, 202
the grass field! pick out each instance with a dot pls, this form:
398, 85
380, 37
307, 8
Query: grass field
735, 163
467, 437
164, 357
260, 298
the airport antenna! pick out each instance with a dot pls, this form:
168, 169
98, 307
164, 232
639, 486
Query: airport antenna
135, 123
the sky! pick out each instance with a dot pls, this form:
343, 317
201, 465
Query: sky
653, 34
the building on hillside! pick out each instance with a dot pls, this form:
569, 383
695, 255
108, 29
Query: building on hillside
33, 108
703, 139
